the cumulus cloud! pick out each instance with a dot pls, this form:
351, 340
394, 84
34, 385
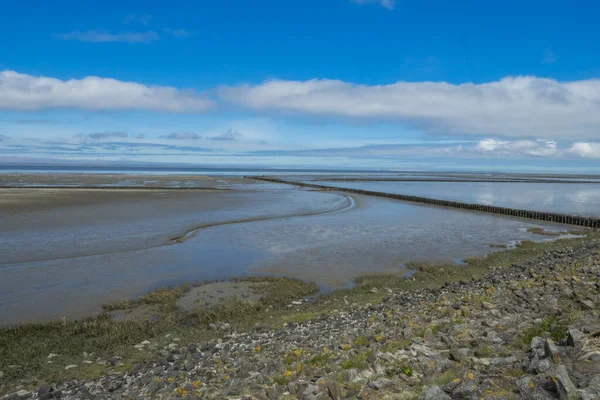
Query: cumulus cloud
106, 37
23, 92
513, 107
536, 148
230, 135
103, 135
184, 136
389, 4
585, 149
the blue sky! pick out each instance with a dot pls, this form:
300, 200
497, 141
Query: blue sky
401, 84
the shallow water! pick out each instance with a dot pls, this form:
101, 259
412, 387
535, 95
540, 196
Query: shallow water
68, 261
570, 198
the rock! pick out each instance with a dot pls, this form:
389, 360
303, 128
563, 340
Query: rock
1, 374
435, 393
593, 388
576, 338
334, 391
551, 351
68, 367
380, 383
586, 304
564, 387
526, 386
465, 391
43, 390
114, 385
428, 336
459, 354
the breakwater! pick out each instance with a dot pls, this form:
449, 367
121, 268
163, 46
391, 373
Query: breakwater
577, 220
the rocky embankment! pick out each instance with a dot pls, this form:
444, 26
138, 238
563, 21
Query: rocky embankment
527, 331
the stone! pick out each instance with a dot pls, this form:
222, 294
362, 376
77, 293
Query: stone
334, 391
526, 386
114, 385
43, 390
551, 351
435, 393
465, 391
564, 386
459, 354
68, 367
576, 338
380, 383
586, 304
428, 336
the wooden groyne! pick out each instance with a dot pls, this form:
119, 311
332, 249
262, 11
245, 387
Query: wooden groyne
577, 220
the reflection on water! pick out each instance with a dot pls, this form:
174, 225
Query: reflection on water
570, 198
378, 235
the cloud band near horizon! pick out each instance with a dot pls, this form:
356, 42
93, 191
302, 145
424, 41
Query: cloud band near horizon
513, 107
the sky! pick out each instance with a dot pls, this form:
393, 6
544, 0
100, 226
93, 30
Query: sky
374, 84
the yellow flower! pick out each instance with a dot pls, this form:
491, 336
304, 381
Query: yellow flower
258, 349
346, 347
196, 384
471, 376
287, 373
299, 367
379, 338
325, 350
298, 352
531, 384
456, 380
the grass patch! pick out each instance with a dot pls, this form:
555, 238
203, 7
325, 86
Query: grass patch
541, 231
26, 347
358, 361
552, 326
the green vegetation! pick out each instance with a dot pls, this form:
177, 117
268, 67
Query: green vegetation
357, 360
542, 231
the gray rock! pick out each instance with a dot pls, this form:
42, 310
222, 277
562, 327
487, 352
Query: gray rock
465, 391
459, 354
586, 304
593, 388
334, 391
564, 387
428, 337
380, 383
526, 386
114, 385
551, 351
435, 393
576, 338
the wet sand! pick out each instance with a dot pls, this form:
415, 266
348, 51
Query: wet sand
67, 251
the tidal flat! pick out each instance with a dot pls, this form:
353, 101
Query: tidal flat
67, 251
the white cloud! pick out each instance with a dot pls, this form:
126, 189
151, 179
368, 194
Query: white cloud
521, 106
536, 148
585, 150
389, 4
105, 37
30, 93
